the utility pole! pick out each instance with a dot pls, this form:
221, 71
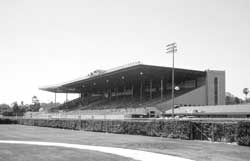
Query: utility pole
172, 49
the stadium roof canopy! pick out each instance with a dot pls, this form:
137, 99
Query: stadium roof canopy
130, 73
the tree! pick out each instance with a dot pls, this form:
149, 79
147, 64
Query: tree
14, 111
36, 104
237, 100
231, 99
15, 108
4, 108
35, 100
246, 91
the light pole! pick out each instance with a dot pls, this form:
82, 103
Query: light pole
172, 48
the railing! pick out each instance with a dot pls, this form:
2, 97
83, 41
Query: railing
122, 117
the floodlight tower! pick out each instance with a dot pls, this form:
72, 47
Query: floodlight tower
172, 49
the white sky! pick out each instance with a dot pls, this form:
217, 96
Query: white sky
52, 41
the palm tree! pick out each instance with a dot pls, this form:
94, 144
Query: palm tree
246, 91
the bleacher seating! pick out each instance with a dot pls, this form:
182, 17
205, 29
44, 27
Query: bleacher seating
119, 105
76, 103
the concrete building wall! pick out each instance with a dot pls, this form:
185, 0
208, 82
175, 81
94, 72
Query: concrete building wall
210, 91
211, 87
195, 97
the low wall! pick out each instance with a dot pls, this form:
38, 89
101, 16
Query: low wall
219, 131
38, 115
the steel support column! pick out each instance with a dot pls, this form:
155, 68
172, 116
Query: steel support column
132, 91
141, 91
173, 87
66, 98
82, 95
55, 97
161, 89
110, 94
172, 48
150, 90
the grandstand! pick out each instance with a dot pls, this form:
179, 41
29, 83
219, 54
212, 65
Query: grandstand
139, 90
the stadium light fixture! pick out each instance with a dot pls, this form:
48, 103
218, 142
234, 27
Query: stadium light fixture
177, 88
172, 49
141, 73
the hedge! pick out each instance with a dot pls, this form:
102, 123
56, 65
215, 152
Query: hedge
243, 133
7, 121
224, 131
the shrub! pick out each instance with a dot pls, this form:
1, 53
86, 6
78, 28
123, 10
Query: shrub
7, 121
243, 133
193, 130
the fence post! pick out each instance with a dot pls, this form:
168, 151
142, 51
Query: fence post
224, 137
80, 122
213, 132
191, 131
201, 131
236, 132
47, 125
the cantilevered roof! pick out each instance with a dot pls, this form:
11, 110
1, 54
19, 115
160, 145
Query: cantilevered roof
117, 76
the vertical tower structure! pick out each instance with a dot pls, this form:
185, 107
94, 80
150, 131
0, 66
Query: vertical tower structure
215, 87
